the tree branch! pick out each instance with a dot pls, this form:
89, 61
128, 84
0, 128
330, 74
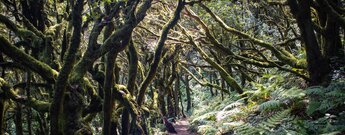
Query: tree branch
33, 64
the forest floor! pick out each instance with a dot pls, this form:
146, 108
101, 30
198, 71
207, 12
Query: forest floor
182, 126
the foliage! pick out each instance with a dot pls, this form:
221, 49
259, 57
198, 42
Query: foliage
332, 97
280, 112
124, 66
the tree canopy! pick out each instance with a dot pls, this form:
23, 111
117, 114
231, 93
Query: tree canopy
125, 66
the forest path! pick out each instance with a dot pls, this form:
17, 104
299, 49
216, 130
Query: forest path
182, 126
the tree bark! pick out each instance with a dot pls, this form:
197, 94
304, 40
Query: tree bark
62, 80
133, 69
211, 88
318, 66
108, 85
189, 100
170, 103
18, 120
176, 95
2, 115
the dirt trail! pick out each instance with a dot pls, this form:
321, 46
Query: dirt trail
182, 126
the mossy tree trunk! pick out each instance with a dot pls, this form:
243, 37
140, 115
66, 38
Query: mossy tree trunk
18, 119
211, 80
170, 103
133, 69
318, 66
2, 115
188, 93
176, 95
108, 103
62, 80
28, 94
161, 102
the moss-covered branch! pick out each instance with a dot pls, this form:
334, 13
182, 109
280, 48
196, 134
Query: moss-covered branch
61, 83
205, 82
224, 74
121, 33
7, 92
19, 31
281, 54
28, 61
121, 94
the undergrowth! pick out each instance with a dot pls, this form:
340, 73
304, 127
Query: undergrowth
273, 106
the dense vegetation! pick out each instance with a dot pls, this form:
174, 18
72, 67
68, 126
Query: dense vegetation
124, 66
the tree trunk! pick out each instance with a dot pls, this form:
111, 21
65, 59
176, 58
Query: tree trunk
181, 102
28, 94
56, 108
2, 116
189, 100
72, 112
133, 69
223, 87
170, 103
108, 86
161, 103
211, 81
318, 66
176, 96
18, 120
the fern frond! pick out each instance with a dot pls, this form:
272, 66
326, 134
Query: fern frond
270, 105
293, 93
232, 105
336, 93
326, 105
263, 127
246, 129
274, 120
313, 107
315, 90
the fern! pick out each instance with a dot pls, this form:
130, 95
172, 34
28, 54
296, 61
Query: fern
232, 105
246, 129
315, 90
313, 107
270, 105
274, 120
324, 99
265, 126
339, 93
293, 93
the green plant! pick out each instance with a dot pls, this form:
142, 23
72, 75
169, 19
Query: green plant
266, 126
324, 99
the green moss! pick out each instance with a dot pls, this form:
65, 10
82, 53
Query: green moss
41, 106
